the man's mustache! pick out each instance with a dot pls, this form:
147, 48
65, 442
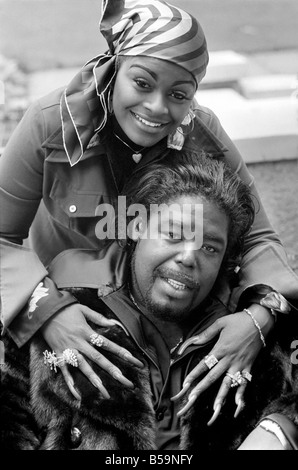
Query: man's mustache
178, 276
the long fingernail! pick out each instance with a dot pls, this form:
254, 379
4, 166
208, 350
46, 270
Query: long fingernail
183, 347
70, 384
129, 357
116, 322
189, 342
119, 376
215, 414
98, 384
239, 408
190, 402
182, 392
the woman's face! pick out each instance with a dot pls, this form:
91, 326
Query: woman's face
150, 98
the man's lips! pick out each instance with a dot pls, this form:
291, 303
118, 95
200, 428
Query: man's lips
178, 279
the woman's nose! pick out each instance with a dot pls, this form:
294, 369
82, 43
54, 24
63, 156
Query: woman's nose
157, 103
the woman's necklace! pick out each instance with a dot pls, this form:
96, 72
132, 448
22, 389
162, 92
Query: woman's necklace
137, 154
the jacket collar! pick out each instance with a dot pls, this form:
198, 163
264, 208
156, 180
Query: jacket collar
55, 142
140, 327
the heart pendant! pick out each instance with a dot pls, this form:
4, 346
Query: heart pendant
137, 157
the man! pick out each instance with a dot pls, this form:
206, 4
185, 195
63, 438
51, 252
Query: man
181, 249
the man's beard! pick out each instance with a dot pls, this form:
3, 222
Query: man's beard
161, 312
164, 312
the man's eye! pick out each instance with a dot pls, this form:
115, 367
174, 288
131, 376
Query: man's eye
209, 248
174, 235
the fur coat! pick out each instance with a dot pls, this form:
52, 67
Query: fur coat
38, 411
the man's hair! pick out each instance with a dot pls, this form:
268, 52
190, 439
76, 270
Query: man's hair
182, 173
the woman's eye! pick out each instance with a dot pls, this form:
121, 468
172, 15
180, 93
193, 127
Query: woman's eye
178, 95
142, 83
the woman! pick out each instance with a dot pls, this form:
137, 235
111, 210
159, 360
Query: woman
73, 151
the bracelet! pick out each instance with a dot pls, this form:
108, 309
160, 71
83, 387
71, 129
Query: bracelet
256, 325
274, 428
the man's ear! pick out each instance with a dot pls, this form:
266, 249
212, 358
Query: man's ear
136, 228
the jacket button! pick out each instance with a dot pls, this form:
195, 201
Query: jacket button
72, 208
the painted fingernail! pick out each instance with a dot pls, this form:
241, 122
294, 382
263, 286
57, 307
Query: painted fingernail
239, 408
70, 384
190, 402
118, 323
182, 392
129, 357
119, 376
215, 414
183, 347
98, 384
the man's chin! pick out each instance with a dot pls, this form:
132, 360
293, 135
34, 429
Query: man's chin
168, 312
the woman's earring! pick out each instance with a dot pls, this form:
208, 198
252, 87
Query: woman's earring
110, 101
177, 138
188, 121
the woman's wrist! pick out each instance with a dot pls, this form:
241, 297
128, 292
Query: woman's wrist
263, 316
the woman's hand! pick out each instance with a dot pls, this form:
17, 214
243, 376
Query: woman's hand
236, 349
68, 329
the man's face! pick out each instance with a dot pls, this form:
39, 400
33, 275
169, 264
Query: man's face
173, 274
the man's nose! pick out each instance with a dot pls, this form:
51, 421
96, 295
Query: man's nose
187, 255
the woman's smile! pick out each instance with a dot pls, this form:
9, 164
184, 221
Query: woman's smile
147, 122
150, 98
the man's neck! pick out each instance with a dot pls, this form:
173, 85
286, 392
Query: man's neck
171, 332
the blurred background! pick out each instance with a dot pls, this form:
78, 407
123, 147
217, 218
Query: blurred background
251, 83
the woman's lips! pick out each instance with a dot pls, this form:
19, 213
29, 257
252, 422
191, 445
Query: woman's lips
154, 125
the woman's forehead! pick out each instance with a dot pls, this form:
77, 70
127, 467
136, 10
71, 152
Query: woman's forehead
157, 66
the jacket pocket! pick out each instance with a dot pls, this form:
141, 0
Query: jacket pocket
77, 209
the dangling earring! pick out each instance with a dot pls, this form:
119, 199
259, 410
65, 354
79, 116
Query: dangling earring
177, 138
110, 101
189, 120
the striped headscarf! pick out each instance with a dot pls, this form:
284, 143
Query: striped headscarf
133, 28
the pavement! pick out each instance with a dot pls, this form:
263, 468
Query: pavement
255, 97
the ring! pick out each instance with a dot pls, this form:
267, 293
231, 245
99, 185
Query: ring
210, 361
97, 340
237, 379
246, 375
68, 357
